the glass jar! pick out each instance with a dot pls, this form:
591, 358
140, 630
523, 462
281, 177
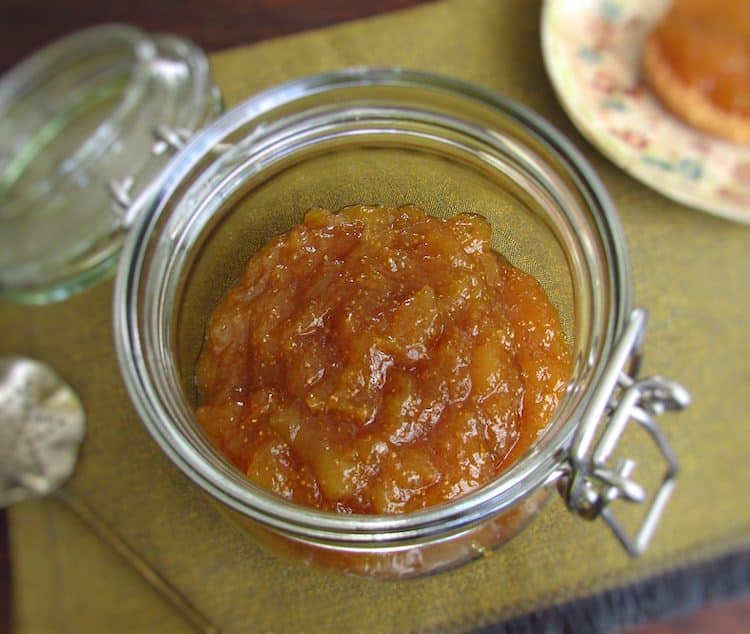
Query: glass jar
391, 136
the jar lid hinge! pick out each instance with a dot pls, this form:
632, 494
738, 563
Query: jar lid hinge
591, 483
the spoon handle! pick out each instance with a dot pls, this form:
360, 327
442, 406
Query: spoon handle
157, 581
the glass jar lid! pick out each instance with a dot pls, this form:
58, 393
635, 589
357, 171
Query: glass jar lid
77, 122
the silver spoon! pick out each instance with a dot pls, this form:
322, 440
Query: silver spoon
42, 425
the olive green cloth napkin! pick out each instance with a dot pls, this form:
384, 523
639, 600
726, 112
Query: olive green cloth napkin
691, 270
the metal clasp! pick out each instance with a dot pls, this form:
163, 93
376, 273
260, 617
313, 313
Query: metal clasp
591, 483
166, 141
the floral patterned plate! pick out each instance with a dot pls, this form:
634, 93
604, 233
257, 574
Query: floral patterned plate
592, 50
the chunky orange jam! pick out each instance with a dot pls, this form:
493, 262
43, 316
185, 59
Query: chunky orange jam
707, 44
380, 360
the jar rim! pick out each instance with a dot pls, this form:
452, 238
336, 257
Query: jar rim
520, 480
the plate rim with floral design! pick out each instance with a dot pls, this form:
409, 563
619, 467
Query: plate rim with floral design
592, 53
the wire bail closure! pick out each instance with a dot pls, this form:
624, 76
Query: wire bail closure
590, 483
167, 140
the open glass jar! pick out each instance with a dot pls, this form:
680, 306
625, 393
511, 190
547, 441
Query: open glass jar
394, 137
91, 124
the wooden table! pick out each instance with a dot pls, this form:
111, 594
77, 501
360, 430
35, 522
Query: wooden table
27, 25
